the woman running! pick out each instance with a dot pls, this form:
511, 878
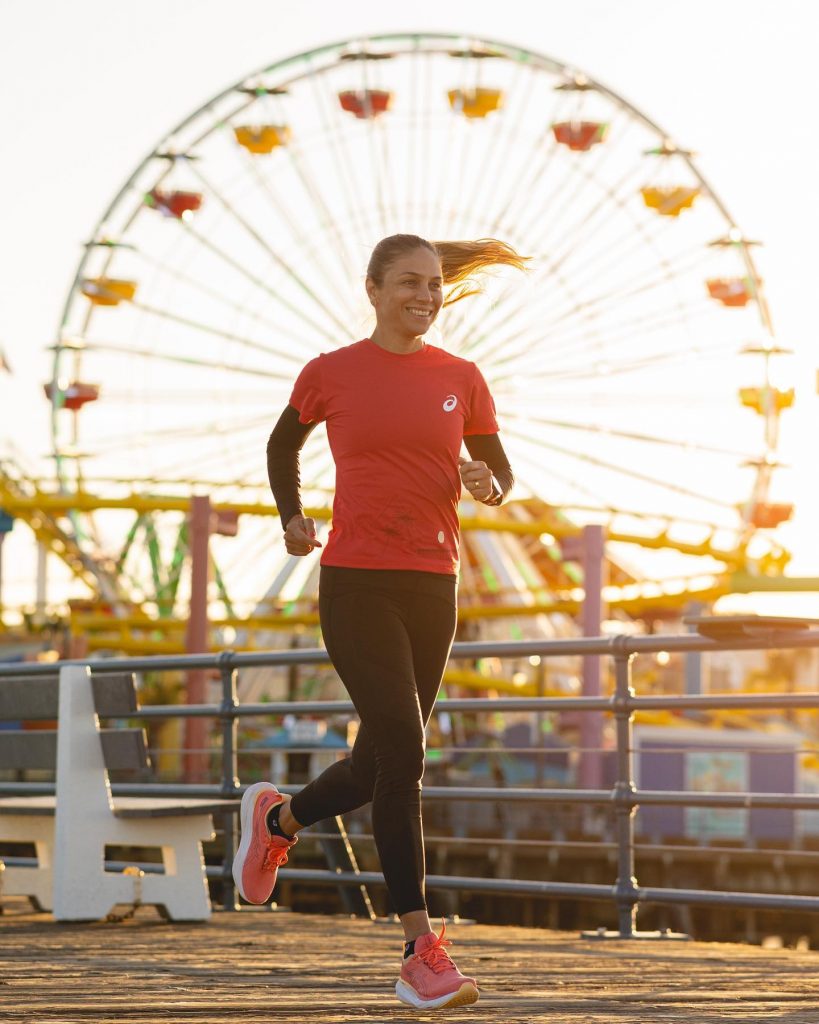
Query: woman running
397, 412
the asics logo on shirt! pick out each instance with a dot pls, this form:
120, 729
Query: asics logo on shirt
450, 403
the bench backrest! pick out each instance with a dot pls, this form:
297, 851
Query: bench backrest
36, 698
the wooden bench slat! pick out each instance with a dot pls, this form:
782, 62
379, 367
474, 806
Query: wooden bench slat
36, 698
168, 807
123, 749
124, 807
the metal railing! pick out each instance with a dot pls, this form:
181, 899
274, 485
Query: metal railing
623, 797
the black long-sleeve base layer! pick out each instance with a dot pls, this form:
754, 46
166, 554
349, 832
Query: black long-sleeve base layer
289, 435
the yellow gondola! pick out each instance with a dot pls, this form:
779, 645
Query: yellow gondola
671, 200
263, 138
761, 399
474, 103
108, 291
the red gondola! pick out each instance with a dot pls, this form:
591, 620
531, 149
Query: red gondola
366, 104
580, 136
173, 204
730, 291
74, 396
767, 515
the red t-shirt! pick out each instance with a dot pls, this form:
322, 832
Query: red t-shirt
395, 425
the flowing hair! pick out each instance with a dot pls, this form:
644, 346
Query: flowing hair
459, 260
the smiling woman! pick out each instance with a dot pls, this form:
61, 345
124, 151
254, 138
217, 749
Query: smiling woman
397, 412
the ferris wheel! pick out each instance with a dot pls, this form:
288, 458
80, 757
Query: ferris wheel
631, 366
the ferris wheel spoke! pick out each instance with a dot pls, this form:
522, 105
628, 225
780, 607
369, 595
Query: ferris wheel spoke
328, 220
196, 431
545, 228
608, 350
258, 282
169, 357
681, 444
164, 314
536, 173
611, 369
551, 216
535, 463
381, 174
302, 285
576, 340
283, 214
358, 208
621, 470
493, 174
190, 282
518, 307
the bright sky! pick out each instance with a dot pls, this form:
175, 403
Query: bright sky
87, 88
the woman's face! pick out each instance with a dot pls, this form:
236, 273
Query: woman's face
411, 295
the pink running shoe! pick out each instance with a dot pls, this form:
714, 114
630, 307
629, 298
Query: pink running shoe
430, 980
260, 854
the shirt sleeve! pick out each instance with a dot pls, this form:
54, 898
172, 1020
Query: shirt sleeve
283, 449
482, 418
308, 394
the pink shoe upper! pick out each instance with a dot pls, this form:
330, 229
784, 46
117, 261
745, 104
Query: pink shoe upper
430, 970
265, 852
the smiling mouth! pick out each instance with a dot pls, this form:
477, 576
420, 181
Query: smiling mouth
419, 312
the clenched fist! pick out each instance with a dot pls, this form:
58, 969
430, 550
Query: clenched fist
300, 536
476, 477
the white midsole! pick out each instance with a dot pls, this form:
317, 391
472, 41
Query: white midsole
407, 994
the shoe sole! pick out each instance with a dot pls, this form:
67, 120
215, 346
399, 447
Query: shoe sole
248, 806
465, 995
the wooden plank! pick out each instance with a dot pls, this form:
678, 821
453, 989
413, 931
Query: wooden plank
122, 749
313, 969
36, 698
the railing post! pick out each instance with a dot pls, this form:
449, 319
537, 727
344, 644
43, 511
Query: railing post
626, 892
230, 773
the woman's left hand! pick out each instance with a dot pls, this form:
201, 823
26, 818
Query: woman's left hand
476, 477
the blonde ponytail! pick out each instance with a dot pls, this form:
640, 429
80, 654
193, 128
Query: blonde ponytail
459, 260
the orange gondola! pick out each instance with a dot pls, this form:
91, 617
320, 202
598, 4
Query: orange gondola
768, 515
731, 291
263, 138
108, 291
580, 136
763, 399
73, 396
174, 204
475, 103
365, 104
671, 200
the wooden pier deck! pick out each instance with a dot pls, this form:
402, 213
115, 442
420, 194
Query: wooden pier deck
287, 968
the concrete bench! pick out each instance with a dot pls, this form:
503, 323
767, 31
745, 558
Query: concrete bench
71, 830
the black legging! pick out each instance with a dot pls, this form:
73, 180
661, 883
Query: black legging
389, 633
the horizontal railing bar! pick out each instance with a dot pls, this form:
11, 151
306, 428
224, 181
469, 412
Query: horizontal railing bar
490, 704
507, 886
571, 890
706, 853
622, 645
612, 797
